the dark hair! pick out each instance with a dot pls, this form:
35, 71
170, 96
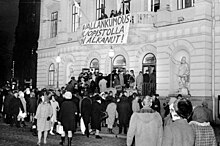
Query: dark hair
183, 107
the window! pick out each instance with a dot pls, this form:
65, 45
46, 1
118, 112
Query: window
125, 9
153, 5
100, 8
181, 4
51, 75
94, 64
75, 17
54, 22
119, 62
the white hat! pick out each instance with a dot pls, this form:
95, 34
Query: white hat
68, 95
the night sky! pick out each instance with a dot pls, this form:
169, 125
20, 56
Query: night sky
8, 22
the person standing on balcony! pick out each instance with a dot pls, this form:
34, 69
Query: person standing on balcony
113, 13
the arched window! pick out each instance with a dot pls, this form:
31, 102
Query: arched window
51, 75
119, 62
94, 64
149, 59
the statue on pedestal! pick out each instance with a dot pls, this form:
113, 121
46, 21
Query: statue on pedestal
183, 76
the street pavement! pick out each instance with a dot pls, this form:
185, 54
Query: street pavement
13, 136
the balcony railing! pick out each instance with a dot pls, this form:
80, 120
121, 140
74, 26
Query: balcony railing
144, 18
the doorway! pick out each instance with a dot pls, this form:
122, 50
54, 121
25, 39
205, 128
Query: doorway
149, 74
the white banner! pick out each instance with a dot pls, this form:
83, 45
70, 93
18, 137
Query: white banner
107, 31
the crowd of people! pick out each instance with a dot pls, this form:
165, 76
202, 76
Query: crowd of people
138, 116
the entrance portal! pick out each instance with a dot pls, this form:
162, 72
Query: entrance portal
149, 74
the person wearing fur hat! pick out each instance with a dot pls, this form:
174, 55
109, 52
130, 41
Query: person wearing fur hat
43, 116
68, 110
179, 132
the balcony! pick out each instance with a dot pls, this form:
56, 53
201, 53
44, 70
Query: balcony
143, 19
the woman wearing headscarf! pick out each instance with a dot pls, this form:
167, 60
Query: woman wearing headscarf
68, 110
179, 132
43, 116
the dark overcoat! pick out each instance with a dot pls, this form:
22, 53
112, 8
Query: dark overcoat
67, 115
96, 115
8, 98
33, 105
86, 110
124, 111
15, 105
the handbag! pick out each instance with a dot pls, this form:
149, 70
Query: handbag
104, 115
59, 129
21, 115
82, 126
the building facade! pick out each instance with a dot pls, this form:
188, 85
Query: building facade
178, 39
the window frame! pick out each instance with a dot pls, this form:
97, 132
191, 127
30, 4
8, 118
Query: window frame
75, 17
124, 3
51, 75
181, 4
99, 8
54, 24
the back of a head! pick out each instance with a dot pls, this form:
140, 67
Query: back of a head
183, 107
200, 115
147, 101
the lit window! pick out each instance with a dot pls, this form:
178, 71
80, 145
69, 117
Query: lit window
181, 4
100, 8
51, 75
153, 5
75, 17
54, 22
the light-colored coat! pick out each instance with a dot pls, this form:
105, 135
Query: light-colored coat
178, 133
135, 105
112, 113
44, 110
102, 85
146, 127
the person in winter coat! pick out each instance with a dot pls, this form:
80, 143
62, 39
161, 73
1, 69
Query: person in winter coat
43, 116
6, 106
112, 115
156, 103
96, 116
23, 101
33, 106
204, 133
68, 110
139, 82
86, 108
55, 107
135, 103
145, 126
179, 132
15, 107
102, 85
124, 113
